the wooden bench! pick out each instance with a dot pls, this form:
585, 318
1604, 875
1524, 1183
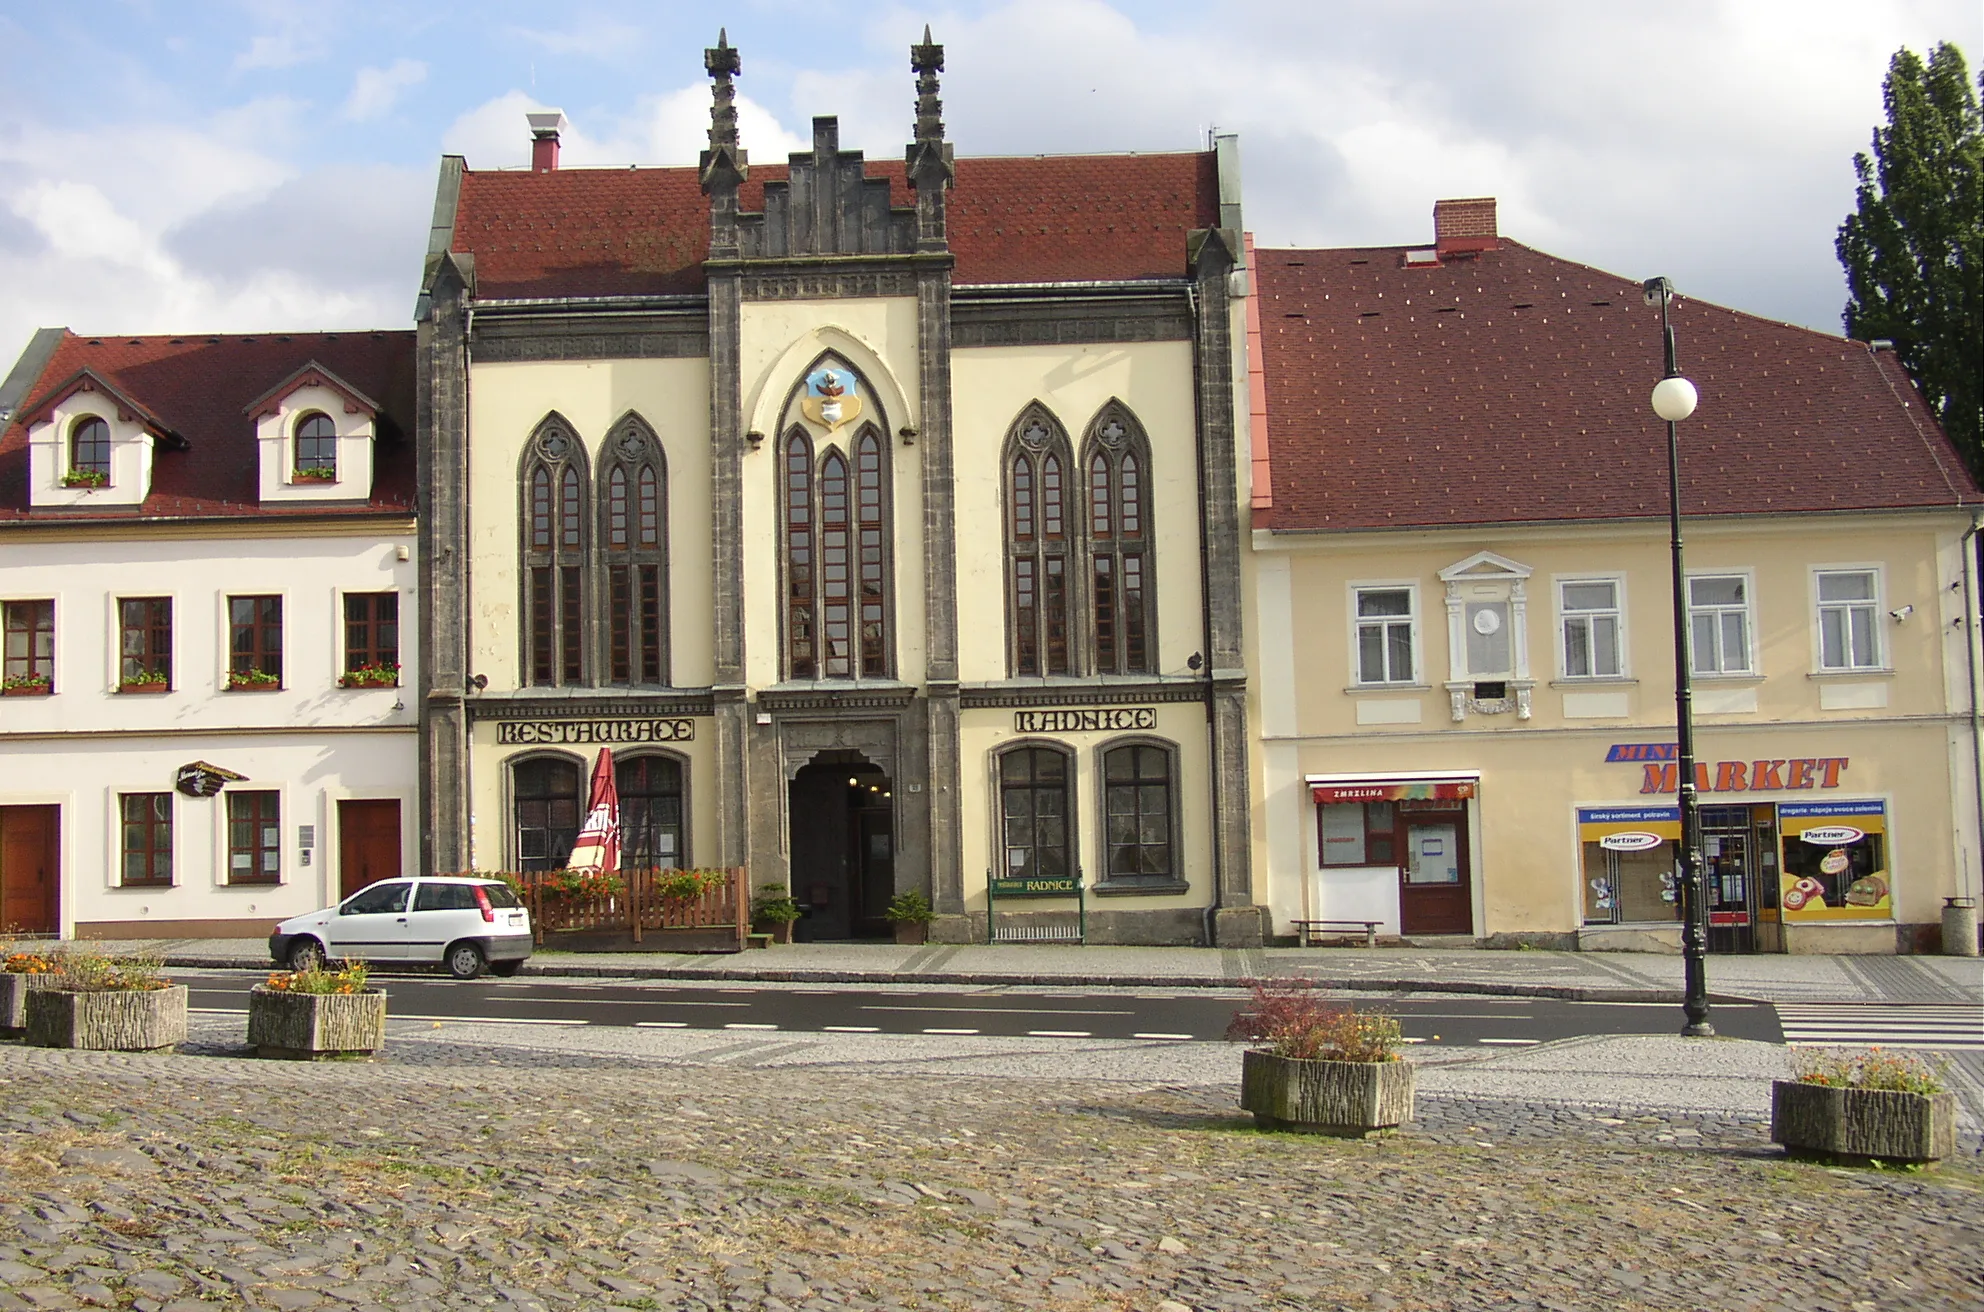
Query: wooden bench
1305, 929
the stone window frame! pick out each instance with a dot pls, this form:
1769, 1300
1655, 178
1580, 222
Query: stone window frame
555, 447
685, 764
996, 780
512, 844
1132, 444
631, 445
1054, 444
1172, 881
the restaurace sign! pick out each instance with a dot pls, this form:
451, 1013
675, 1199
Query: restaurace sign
1663, 771
586, 733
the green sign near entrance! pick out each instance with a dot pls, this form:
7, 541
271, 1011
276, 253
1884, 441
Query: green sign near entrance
1065, 886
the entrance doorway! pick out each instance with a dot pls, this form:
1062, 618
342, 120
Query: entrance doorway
1435, 894
842, 811
1739, 846
30, 869
368, 844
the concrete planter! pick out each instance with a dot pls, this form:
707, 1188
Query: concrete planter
14, 1000
1861, 1125
1347, 1098
909, 933
780, 931
314, 1026
135, 1020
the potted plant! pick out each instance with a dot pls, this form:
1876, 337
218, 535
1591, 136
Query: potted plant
316, 474
773, 911
97, 1001
1320, 1067
145, 681
1856, 1108
20, 971
910, 912
25, 685
86, 478
312, 1015
252, 681
383, 675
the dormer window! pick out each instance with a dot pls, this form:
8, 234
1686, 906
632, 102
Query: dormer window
89, 450
316, 449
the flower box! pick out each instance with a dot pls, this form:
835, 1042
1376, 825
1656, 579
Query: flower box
371, 676
36, 688
314, 476
240, 682
14, 989
146, 686
1857, 1126
121, 1020
1347, 1098
89, 478
316, 1026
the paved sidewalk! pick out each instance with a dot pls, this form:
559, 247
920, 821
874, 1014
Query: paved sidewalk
1579, 976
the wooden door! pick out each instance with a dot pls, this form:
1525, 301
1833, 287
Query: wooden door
1435, 890
368, 844
30, 869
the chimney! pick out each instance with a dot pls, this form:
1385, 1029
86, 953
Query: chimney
545, 129
1464, 227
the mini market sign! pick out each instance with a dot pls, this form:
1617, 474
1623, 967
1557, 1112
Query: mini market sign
1662, 771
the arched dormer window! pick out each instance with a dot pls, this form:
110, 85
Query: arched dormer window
1116, 465
317, 447
554, 556
633, 541
1040, 546
89, 447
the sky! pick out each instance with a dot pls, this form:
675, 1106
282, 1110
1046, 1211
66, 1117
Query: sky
249, 165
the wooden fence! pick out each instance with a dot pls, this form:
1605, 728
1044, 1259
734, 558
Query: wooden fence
639, 909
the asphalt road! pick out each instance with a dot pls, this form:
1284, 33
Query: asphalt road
1073, 1014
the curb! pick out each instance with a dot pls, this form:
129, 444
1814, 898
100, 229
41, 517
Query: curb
775, 975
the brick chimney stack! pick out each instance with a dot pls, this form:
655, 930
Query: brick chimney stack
545, 129
1464, 227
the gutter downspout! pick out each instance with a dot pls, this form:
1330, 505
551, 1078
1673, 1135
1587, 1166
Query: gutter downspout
1969, 547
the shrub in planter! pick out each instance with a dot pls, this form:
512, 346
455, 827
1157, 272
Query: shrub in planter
96, 1001
1871, 1106
1320, 1067
911, 914
312, 1015
773, 911
19, 972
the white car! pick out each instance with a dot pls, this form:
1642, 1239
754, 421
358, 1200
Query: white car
464, 924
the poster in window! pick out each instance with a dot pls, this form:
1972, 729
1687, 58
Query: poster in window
1343, 834
1835, 862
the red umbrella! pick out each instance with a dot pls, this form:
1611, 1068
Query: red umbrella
598, 845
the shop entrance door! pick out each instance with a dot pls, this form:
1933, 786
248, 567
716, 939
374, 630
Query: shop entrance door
842, 846
368, 844
30, 869
1435, 895
1729, 878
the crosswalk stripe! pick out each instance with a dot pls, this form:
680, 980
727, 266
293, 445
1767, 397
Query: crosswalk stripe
1893, 1025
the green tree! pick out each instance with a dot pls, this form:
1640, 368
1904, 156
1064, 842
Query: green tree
1914, 250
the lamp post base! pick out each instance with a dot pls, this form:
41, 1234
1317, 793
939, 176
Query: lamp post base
1699, 1029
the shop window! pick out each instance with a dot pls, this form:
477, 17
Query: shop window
254, 837
545, 799
89, 447
1387, 632
371, 631
634, 538
1836, 871
1719, 624
1358, 833
1631, 887
1591, 617
29, 645
144, 641
1036, 787
1039, 546
651, 834
146, 843
554, 556
1138, 809
254, 649
1849, 639
317, 448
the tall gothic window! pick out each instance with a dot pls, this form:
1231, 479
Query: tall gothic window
633, 538
1038, 546
554, 556
801, 642
1116, 461
836, 559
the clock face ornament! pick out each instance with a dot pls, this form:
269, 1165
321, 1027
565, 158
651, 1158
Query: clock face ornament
1487, 623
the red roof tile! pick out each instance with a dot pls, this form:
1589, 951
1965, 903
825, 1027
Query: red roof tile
1513, 387
200, 387
630, 232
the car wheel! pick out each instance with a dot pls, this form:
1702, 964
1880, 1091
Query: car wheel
306, 954
464, 961
505, 969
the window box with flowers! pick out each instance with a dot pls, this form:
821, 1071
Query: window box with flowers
145, 681
314, 1015
1858, 1108
26, 685
371, 676
316, 474
252, 681
86, 478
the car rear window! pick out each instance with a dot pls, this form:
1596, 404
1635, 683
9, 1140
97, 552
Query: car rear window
445, 897
500, 895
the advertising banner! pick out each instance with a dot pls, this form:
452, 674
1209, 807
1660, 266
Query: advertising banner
1835, 862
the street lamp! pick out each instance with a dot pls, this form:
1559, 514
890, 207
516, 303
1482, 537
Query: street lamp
1674, 400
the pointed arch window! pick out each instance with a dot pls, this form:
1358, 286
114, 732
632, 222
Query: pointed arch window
554, 557
633, 538
1121, 587
1039, 547
837, 616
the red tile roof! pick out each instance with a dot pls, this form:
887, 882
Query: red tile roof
1512, 387
200, 387
1028, 219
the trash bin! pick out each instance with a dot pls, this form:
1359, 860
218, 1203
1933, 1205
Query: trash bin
1959, 926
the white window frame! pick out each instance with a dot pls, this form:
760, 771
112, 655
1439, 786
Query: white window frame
1751, 665
1565, 616
1879, 664
1416, 677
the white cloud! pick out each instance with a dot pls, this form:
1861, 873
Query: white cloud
671, 128
595, 38
374, 90
278, 50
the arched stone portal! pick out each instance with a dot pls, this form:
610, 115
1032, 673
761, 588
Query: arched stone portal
841, 808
